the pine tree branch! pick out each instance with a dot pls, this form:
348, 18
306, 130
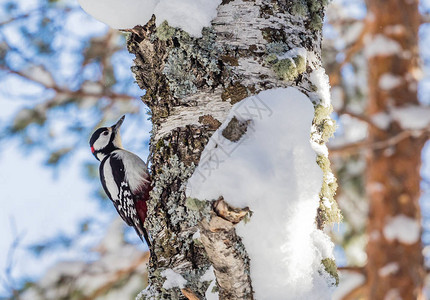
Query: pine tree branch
356, 292
359, 117
360, 270
425, 18
69, 93
144, 258
8, 281
351, 50
378, 145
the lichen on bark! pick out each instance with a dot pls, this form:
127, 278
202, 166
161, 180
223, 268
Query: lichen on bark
323, 129
193, 63
173, 225
331, 268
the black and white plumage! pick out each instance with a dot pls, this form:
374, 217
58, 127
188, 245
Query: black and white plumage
124, 176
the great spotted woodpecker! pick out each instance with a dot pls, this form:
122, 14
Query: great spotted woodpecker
124, 176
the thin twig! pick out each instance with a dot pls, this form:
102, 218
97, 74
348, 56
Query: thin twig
70, 93
355, 292
350, 51
362, 118
118, 275
8, 281
378, 145
360, 270
425, 18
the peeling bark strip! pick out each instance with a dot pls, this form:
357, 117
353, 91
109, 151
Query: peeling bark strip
231, 214
191, 84
224, 249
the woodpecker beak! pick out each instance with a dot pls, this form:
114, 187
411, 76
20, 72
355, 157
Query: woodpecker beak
118, 124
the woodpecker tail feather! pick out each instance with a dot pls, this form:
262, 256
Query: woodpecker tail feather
143, 235
142, 209
146, 236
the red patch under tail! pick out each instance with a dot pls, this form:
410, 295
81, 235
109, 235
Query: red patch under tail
142, 210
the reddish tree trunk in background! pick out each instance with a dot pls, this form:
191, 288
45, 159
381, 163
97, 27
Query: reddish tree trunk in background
395, 268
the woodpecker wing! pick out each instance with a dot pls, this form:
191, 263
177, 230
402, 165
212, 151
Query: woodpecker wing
136, 172
112, 177
137, 178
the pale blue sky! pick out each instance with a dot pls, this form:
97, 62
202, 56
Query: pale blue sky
42, 202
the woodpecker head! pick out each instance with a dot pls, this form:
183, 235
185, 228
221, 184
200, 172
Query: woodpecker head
105, 140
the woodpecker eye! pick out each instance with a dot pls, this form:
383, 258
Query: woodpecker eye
105, 132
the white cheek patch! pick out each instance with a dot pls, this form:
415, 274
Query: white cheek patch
102, 141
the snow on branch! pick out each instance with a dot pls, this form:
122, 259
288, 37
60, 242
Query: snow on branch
412, 117
173, 279
381, 45
271, 168
405, 229
189, 15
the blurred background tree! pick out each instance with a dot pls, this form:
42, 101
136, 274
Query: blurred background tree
385, 123
62, 74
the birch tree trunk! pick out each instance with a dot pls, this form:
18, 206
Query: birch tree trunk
395, 263
191, 84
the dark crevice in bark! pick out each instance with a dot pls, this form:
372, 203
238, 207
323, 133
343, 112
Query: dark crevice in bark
235, 129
